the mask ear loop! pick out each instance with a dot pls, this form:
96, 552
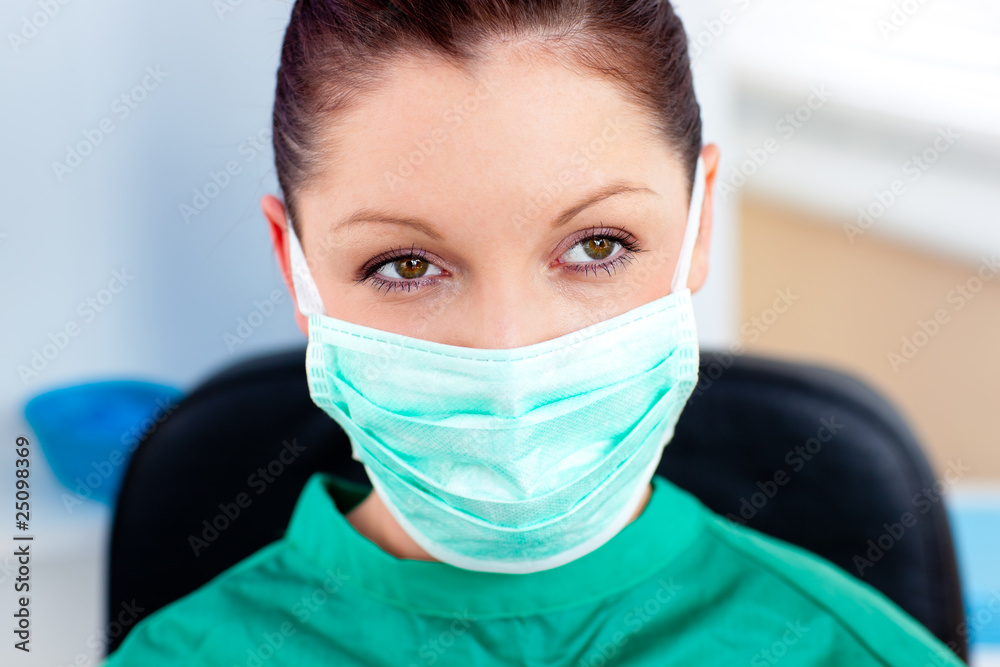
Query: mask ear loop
683, 270
306, 292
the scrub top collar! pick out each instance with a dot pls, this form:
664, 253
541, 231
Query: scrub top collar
668, 524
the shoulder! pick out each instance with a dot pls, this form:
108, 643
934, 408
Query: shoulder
846, 606
197, 628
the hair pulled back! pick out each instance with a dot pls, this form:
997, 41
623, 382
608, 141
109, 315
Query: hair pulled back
335, 51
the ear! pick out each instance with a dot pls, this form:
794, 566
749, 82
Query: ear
702, 247
277, 223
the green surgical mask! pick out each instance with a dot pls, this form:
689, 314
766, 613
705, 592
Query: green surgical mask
510, 460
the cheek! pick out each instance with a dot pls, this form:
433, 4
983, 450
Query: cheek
654, 272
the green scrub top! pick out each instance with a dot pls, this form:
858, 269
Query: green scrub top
680, 585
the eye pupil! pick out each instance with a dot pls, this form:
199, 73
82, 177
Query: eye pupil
412, 267
598, 248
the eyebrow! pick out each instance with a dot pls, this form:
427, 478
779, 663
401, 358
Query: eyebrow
381, 216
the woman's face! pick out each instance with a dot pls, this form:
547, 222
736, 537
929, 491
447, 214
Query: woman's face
493, 212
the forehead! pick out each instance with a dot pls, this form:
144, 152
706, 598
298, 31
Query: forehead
432, 136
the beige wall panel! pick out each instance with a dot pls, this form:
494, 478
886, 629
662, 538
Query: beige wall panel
855, 304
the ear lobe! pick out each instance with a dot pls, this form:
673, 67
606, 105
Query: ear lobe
277, 222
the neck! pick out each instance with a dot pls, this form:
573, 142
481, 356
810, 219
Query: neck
373, 520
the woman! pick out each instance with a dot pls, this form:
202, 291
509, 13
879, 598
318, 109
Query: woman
495, 213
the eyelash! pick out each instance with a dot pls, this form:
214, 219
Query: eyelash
387, 257
619, 236
631, 246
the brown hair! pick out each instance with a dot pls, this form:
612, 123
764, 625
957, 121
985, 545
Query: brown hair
335, 50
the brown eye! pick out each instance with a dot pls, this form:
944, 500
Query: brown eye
412, 267
593, 249
606, 249
599, 248
403, 270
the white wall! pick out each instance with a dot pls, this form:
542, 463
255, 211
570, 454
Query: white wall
716, 305
62, 239
901, 83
